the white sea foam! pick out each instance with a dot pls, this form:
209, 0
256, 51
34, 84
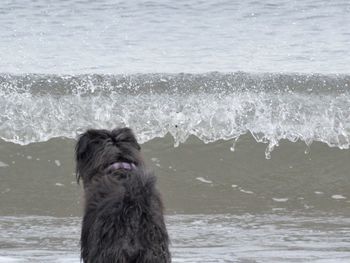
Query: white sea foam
246, 191
318, 192
2, 164
211, 107
203, 180
338, 197
280, 200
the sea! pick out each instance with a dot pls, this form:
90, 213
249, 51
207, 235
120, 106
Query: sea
242, 109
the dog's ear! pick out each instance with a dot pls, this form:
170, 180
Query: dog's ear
125, 135
86, 138
81, 146
81, 151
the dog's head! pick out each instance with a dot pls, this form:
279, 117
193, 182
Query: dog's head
98, 149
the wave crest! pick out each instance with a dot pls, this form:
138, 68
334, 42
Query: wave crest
212, 106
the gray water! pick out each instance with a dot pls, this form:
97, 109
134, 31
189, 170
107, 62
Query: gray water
221, 206
242, 109
108, 36
241, 239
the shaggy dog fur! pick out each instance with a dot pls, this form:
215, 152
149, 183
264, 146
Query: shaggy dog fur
123, 220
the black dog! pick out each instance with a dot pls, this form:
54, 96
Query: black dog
123, 220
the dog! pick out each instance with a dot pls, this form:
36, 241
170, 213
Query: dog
123, 220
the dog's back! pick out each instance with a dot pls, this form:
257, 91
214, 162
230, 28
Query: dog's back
123, 221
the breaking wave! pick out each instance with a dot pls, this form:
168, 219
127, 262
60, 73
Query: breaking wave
212, 106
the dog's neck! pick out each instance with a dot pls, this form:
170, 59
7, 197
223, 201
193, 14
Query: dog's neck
121, 165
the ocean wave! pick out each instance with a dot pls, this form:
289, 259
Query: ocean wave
212, 106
